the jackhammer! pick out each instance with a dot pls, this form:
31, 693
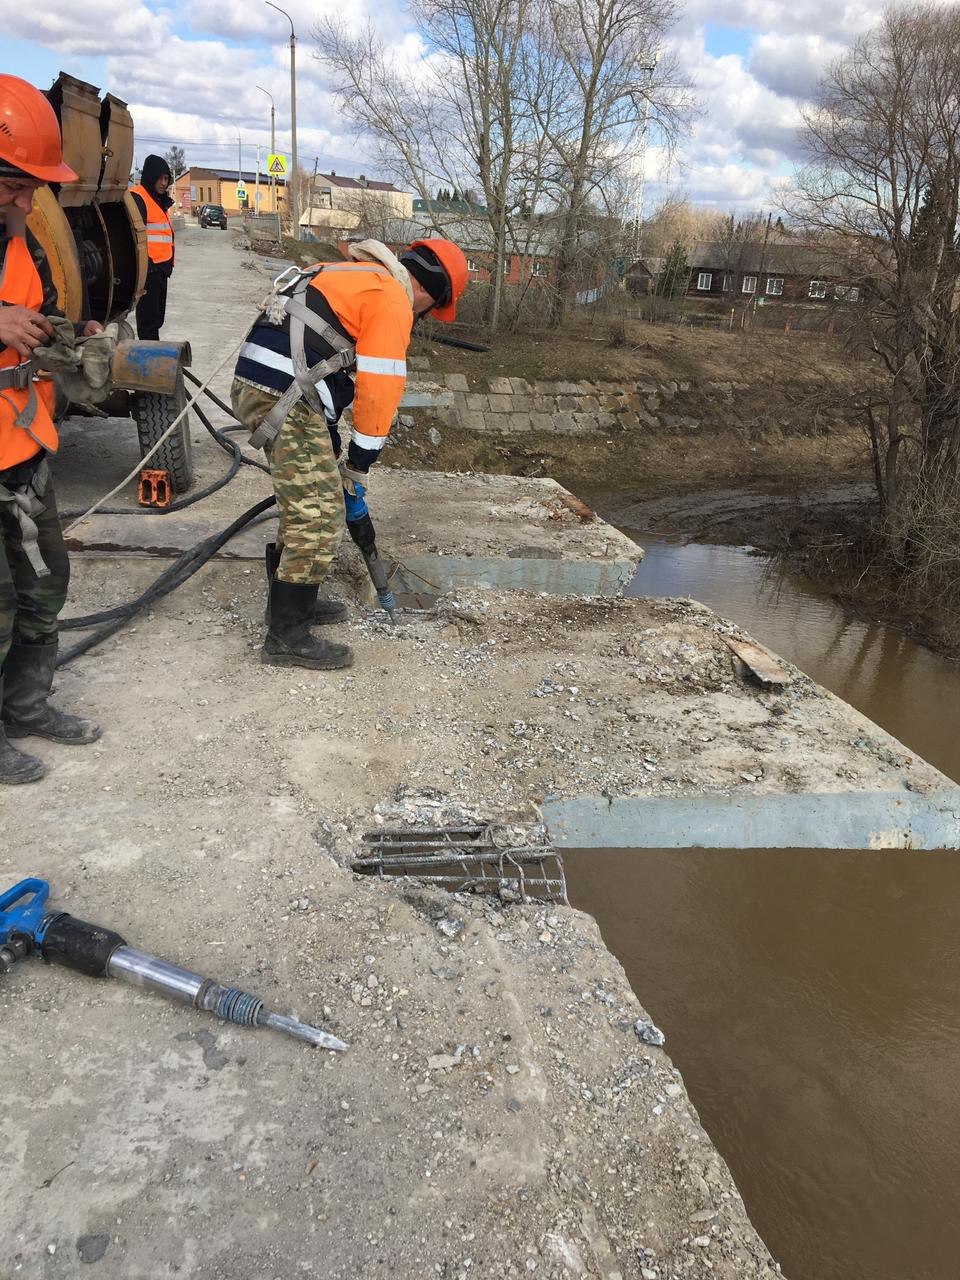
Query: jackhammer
362, 532
27, 926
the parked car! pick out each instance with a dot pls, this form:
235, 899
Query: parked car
213, 215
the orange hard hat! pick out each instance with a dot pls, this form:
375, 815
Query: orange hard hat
454, 262
30, 133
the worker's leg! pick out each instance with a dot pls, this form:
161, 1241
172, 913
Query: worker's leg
309, 492
306, 480
15, 766
31, 660
152, 307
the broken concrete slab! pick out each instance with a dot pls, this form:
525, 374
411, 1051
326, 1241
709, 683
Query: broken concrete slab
505, 532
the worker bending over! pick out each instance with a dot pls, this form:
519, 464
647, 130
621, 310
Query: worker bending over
34, 568
291, 386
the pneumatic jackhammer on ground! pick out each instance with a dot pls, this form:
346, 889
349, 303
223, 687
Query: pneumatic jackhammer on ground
361, 530
28, 927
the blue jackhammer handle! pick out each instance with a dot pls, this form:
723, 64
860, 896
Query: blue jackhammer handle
28, 917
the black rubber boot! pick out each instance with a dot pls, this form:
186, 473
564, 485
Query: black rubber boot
290, 642
28, 678
16, 766
325, 612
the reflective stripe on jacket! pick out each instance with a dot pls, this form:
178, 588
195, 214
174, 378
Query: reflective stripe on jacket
159, 227
373, 311
21, 286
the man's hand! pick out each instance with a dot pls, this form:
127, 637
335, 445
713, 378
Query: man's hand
90, 328
23, 329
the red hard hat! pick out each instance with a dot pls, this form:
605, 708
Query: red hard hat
29, 132
454, 263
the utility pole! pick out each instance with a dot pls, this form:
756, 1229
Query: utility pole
763, 259
273, 150
649, 70
292, 181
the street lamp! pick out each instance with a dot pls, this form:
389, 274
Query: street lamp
273, 151
292, 180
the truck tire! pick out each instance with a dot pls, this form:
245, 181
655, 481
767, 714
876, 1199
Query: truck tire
153, 413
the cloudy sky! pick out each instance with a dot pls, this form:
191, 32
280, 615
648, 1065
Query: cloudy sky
190, 71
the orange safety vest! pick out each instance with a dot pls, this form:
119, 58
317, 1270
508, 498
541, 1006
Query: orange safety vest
159, 227
376, 312
21, 286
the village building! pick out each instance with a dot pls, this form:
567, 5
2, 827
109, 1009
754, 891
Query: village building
781, 271
243, 191
339, 204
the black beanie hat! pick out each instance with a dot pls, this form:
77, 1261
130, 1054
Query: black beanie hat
154, 167
427, 269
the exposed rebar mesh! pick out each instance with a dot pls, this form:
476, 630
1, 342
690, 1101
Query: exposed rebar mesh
466, 859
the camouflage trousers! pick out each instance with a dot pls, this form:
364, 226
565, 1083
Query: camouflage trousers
306, 480
30, 606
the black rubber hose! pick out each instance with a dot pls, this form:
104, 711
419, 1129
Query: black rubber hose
228, 446
221, 404
454, 342
183, 568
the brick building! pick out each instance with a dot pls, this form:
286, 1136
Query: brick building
219, 186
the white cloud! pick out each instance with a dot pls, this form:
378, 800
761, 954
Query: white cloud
64, 26
255, 21
791, 65
829, 18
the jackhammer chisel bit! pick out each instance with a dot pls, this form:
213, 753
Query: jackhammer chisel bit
361, 530
27, 926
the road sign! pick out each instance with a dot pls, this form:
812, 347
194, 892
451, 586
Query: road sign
276, 165
241, 194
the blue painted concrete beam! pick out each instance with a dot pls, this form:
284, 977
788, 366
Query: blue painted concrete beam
556, 577
859, 820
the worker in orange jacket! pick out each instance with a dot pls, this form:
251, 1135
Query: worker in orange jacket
34, 568
150, 197
291, 386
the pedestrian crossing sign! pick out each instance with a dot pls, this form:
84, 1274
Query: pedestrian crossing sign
277, 166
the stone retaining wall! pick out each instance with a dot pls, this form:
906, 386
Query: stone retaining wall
511, 406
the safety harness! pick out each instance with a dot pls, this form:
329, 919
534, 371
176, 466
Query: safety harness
19, 377
302, 318
306, 376
25, 503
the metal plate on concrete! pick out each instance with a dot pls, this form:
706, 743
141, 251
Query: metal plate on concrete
759, 661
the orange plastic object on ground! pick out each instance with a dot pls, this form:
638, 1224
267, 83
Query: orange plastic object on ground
156, 489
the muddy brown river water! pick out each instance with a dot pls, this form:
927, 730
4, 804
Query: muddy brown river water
811, 998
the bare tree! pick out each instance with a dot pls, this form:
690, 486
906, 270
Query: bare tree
883, 187
608, 83
177, 161
534, 102
458, 123
677, 218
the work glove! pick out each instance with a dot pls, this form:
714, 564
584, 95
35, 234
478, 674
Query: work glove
60, 354
351, 477
81, 366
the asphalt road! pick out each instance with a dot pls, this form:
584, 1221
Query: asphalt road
213, 297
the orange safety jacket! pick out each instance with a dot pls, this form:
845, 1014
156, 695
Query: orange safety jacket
26, 413
373, 310
159, 227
